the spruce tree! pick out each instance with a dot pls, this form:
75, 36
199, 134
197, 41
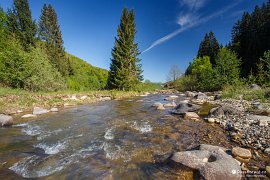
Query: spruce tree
50, 33
20, 23
209, 47
125, 69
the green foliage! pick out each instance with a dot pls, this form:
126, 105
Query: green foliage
41, 75
20, 23
125, 71
251, 37
227, 69
186, 83
148, 86
200, 65
85, 76
209, 47
265, 69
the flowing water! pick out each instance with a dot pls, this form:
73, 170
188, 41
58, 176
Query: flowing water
120, 139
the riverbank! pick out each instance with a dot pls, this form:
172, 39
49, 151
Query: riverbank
14, 101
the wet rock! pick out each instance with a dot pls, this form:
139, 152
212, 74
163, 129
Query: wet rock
255, 87
200, 96
211, 161
190, 94
241, 152
54, 109
182, 108
156, 104
170, 98
191, 116
105, 98
29, 116
6, 120
39, 110
211, 120
172, 104
160, 107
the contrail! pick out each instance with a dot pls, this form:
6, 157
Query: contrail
188, 26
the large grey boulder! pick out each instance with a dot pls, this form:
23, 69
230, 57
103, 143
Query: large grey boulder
182, 108
6, 120
39, 110
212, 162
200, 96
224, 110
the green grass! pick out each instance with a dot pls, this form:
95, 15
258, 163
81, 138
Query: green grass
236, 92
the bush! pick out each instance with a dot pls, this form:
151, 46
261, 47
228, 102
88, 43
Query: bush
227, 69
42, 76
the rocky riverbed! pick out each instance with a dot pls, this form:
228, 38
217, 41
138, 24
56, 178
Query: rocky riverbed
166, 130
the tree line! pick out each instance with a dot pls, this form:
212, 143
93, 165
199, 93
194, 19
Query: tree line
244, 60
33, 56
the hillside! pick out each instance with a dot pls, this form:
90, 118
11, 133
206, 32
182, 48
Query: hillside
85, 76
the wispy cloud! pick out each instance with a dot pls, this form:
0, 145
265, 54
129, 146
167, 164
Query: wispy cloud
190, 20
192, 4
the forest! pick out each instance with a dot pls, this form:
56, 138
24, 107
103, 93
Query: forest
244, 60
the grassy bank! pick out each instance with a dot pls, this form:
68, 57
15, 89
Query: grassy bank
243, 92
14, 100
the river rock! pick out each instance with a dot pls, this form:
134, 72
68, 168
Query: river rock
241, 152
39, 110
182, 108
84, 97
54, 109
262, 120
267, 169
190, 94
105, 98
211, 120
6, 120
191, 116
160, 107
200, 96
170, 98
172, 104
223, 110
156, 104
255, 87
29, 116
211, 161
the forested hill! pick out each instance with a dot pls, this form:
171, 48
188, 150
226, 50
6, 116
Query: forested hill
85, 76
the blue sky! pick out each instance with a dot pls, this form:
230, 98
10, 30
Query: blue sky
169, 31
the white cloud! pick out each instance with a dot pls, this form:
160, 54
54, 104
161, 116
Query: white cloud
187, 18
189, 21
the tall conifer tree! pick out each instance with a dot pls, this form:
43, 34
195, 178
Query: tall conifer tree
50, 33
125, 70
21, 24
209, 47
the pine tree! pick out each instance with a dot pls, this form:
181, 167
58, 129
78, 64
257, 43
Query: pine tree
20, 23
125, 70
50, 33
209, 47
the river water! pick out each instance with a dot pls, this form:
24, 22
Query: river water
119, 139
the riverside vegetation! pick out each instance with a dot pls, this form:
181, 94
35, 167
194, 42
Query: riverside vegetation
37, 75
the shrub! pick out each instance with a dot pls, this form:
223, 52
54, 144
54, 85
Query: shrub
41, 75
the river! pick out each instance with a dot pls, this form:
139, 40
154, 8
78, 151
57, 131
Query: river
119, 139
